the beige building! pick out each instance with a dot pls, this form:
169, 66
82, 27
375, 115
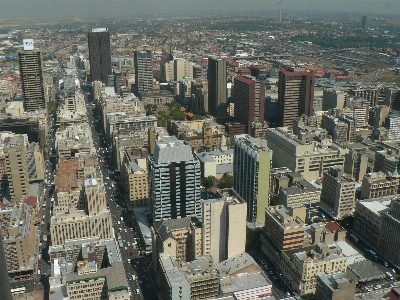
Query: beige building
378, 184
72, 108
73, 139
367, 218
95, 197
127, 138
179, 238
224, 225
284, 229
216, 163
177, 69
76, 225
302, 268
338, 193
299, 193
17, 168
135, 179
310, 159
68, 199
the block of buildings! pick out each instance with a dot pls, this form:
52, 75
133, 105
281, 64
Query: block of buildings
311, 160
72, 108
251, 169
302, 268
338, 193
76, 138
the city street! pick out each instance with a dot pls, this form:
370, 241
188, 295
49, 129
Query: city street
141, 287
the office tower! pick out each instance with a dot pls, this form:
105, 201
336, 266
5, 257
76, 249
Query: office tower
143, 71
338, 193
31, 72
251, 175
177, 69
17, 167
364, 23
99, 54
175, 181
249, 99
224, 225
295, 94
393, 125
217, 87
4, 279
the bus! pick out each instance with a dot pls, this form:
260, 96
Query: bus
17, 291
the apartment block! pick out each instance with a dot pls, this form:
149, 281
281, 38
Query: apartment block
175, 180
179, 238
303, 267
224, 225
368, 218
334, 286
310, 159
177, 69
338, 193
249, 99
295, 94
378, 184
251, 169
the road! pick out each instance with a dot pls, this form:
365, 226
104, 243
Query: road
141, 287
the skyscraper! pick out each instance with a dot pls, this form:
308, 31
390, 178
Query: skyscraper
175, 181
31, 72
364, 23
249, 98
251, 174
217, 90
99, 54
143, 71
295, 94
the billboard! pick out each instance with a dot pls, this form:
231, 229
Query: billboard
28, 44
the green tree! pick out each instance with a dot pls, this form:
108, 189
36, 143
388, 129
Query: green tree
359, 139
176, 114
209, 181
226, 181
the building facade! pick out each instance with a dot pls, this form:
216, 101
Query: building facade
143, 71
217, 87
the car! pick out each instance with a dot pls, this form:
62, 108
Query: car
377, 287
271, 272
131, 253
125, 248
129, 260
275, 277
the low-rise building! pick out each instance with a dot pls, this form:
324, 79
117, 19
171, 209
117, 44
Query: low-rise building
334, 286
216, 163
379, 184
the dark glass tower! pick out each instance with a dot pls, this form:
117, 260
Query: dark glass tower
217, 90
5, 289
99, 54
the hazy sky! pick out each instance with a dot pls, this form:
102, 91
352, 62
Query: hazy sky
66, 9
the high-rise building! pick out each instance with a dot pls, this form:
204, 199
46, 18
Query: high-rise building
390, 226
99, 54
295, 94
143, 71
31, 72
175, 181
338, 193
251, 175
224, 225
217, 87
249, 99
364, 23
177, 69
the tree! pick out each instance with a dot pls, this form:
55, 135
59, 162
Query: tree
359, 139
209, 181
225, 182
